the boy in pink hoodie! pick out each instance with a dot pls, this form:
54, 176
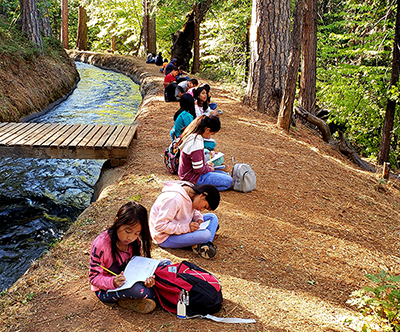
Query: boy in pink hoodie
175, 219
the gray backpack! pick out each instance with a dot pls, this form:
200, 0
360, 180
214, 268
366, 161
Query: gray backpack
244, 178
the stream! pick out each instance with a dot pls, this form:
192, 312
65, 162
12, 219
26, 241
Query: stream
41, 198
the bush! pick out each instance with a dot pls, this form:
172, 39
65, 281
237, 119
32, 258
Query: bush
381, 304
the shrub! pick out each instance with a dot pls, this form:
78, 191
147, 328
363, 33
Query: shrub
380, 305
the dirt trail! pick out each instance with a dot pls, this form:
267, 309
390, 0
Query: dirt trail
289, 253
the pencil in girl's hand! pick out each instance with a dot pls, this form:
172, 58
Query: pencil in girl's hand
114, 274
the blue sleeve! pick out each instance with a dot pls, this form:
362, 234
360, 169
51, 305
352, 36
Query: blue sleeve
183, 120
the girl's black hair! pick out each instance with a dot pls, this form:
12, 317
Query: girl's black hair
212, 194
199, 125
196, 94
187, 104
131, 213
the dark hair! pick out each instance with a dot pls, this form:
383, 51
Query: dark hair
198, 126
187, 104
194, 81
196, 94
174, 68
212, 194
165, 60
131, 213
159, 53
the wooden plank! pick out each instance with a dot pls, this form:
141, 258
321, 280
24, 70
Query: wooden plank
89, 136
60, 132
78, 134
5, 128
105, 137
129, 136
38, 134
96, 138
12, 132
54, 129
67, 134
2, 124
108, 144
27, 130
33, 133
87, 131
121, 137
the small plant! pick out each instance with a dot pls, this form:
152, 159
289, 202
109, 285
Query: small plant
379, 305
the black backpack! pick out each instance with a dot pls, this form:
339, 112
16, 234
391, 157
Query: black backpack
205, 296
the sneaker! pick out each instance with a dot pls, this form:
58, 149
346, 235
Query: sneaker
142, 306
205, 250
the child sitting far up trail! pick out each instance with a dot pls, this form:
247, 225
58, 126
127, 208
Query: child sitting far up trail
176, 219
164, 65
184, 86
171, 77
129, 236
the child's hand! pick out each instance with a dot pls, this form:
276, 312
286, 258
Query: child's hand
212, 154
119, 280
194, 226
149, 282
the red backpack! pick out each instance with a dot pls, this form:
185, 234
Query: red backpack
205, 296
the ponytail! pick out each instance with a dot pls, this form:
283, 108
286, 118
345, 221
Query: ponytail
199, 125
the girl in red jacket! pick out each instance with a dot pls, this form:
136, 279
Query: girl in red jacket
111, 251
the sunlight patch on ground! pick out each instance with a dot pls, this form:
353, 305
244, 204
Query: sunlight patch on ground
283, 306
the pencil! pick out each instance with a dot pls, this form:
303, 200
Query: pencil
107, 270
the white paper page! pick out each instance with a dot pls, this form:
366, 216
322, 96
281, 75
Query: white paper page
204, 224
138, 269
216, 156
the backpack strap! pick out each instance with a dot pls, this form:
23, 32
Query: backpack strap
233, 161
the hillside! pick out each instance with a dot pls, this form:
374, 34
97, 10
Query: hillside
289, 253
31, 81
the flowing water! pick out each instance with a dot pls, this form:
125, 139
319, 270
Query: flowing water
40, 198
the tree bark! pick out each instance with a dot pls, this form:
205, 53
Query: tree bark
200, 11
182, 40
149, 28
30, 22
81, 36
286, 107
384, 148
44, 20
64, 24
269, 45
308, 78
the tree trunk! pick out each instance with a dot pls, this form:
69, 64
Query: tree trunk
113, 47
286, 107
30, 22
81, 35
182, 40
196, 46
149, 28
269, 45
384, 148
200, 11
44, 20
307, 95
152, 35
64, 24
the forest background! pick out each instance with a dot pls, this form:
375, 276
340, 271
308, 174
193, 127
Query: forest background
354, 51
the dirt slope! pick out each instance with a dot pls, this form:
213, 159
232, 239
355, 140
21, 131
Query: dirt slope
289, 253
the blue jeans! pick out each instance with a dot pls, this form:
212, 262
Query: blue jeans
196, 237
219, 179
137, 291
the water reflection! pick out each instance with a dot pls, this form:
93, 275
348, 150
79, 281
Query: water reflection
39, 198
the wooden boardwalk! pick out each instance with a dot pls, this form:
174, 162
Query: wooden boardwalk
65, 141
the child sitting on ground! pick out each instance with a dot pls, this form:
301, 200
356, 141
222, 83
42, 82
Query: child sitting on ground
175, 217
129, 236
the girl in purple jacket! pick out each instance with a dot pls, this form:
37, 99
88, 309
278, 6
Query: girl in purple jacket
111, 251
